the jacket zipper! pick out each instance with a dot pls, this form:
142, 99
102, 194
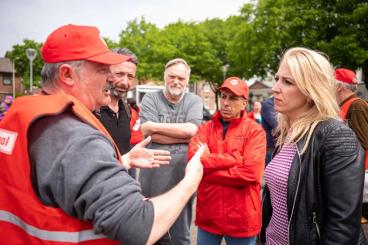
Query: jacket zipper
316, 224
296, 194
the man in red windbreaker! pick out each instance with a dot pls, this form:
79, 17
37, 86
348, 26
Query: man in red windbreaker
228, 198
354, 112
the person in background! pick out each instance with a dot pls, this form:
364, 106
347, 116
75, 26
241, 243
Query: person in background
206, 114
255, 114
269, 124
354, 112
228, 197
62, 178
118, 117
5, 105
315, 180
171, 117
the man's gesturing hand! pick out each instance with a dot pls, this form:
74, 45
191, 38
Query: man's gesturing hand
140, 157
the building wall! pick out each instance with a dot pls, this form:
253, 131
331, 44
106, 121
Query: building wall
203, 90
6, 84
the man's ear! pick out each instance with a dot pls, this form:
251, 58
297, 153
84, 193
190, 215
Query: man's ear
67, 75
340, 87
244, 105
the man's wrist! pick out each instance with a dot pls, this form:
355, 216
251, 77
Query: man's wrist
125, 161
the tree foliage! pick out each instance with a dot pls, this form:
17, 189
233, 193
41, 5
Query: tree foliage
250, 42
22, 63
337, 28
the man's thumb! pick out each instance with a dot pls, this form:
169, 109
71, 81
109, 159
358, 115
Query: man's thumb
145, 142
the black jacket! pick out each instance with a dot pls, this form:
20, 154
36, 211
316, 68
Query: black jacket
324, 188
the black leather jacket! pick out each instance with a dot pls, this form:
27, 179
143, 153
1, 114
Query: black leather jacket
324, 188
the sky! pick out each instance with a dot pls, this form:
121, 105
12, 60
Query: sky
35, 19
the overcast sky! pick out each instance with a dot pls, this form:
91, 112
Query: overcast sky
35, 19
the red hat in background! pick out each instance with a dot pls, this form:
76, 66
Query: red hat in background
72, 42
237, 86
345, 76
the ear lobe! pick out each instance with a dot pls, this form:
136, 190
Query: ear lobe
66, 75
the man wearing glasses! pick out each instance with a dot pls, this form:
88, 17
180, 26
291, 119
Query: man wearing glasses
228, 197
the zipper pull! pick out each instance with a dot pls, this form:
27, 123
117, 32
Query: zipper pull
315, 222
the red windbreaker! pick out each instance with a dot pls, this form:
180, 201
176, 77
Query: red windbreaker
23, 218
228, 198
135, 127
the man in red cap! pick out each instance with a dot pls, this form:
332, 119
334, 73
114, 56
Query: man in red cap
353, 111
62, 178
228, 198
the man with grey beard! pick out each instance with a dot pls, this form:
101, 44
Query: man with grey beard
171, 117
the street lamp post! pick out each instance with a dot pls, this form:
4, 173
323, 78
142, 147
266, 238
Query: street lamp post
224, 69
31, 55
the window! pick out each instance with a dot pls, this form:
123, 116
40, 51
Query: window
7, 79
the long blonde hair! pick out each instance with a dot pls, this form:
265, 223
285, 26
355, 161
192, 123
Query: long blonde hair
313, 75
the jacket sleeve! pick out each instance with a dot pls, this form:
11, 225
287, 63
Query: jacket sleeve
199, 137
248, 170
212, 161
74, 167
358, 121
342, 169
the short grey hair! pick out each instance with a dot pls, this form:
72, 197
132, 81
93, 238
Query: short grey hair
127, 52
177, 61
49, 72
352, 87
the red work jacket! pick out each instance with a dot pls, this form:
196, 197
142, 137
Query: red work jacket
228, 197
23, 218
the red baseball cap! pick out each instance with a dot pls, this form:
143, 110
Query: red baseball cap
346, 76
237, 86
72, 42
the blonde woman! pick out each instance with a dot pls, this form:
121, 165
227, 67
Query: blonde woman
315, 180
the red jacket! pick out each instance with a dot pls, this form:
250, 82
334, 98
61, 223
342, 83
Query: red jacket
135, 127
228, 198
23, 218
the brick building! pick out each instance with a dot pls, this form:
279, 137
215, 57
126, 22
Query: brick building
7, 74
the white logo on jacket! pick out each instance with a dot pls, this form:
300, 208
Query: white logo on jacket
137, 125
7, 141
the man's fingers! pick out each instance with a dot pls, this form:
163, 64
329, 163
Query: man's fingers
161, 161
201, 150
162, 157
160, 153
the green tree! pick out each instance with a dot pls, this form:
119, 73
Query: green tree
145, 41
269, 27
337, 28
18, 55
